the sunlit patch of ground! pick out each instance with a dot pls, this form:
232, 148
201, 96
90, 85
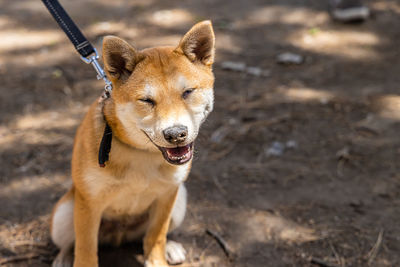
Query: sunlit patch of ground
350, 44
170, 17
267, 227
289, 15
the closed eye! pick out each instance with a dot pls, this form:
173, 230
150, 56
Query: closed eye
187, 92
148, 101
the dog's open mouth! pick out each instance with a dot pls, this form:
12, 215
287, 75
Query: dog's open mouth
178, 155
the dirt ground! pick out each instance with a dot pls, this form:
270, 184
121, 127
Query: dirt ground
297, 167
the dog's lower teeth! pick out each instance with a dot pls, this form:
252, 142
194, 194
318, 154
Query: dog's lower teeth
178, 158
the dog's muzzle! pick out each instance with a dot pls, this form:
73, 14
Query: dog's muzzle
178, 155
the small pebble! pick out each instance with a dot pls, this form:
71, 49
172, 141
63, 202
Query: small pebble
276, 149
254, 71
241, 67
235, 66
290, 58
292, 144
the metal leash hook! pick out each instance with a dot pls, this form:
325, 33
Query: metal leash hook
100, 72
105, 143
89, 55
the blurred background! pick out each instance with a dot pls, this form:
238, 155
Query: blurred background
298, 165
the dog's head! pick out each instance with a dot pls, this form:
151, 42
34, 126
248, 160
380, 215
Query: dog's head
161, 95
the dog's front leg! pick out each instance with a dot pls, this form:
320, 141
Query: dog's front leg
87, 217
156, 235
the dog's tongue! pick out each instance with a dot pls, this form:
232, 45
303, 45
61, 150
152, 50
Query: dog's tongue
178, 151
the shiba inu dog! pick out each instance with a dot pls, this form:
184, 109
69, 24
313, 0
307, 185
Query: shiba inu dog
160, 98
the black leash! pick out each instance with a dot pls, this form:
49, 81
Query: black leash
90, 56
81, 44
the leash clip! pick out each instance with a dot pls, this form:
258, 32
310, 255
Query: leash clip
100, 72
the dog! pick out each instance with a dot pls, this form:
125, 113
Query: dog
160, 98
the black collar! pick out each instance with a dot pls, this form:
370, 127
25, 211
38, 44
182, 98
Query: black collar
105, 145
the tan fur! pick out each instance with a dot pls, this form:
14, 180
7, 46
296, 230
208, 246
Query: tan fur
138, 186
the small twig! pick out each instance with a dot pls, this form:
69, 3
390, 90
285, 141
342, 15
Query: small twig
223, 153
375, 249
31, 243
25, 257
322, 263
265, 122
223, 244
218, 135
338, 258
218, 185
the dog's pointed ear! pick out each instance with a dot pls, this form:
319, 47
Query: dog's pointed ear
198, 43
119, 58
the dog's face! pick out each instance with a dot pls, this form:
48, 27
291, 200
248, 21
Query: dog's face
162, 95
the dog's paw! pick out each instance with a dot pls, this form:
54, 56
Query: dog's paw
174, 252
153, 263
63, 259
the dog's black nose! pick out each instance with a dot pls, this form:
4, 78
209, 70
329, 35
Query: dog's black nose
176, 134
